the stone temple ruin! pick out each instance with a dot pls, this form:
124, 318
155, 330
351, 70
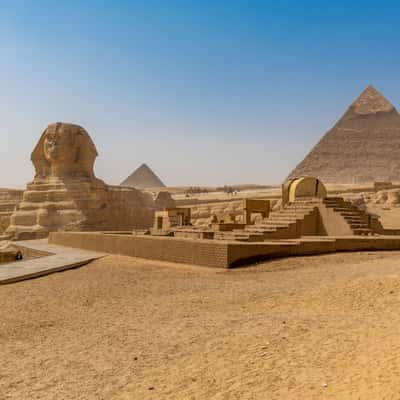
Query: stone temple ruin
306, 211
308, 221
66, 195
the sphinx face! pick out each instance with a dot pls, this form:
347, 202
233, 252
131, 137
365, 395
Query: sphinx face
59, 144
61, 149
64, 151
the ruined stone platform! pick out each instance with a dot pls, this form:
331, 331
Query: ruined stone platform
218, 253
47, 259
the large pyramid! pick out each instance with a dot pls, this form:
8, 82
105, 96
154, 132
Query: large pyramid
363, 146
143, 178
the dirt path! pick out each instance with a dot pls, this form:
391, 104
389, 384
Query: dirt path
303, 328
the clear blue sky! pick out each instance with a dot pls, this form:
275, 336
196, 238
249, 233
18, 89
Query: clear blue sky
205, 92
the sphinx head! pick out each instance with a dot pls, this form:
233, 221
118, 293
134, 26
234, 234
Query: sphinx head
64, 151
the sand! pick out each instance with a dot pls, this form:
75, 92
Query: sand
323, 327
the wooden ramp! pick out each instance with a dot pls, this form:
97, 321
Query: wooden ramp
59, 259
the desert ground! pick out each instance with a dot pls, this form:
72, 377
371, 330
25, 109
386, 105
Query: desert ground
324, 327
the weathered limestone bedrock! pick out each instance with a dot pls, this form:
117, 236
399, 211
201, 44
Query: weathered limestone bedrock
9, 198
66, 195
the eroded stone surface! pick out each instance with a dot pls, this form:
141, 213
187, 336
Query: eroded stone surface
9, 198
371, 102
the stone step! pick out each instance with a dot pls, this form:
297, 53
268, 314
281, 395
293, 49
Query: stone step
274, 223
260, 230
304, 204
343, 209
355, 215
333, 198
352, 214
299, 211
281, 219
270, 228
330, 201
300, 207
61, 205
362, 231
339, 204
349, 217
355, 221
358, 226
290, 213
239, 236
350, 211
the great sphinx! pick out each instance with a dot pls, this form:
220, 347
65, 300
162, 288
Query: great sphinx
66, 195
64, 152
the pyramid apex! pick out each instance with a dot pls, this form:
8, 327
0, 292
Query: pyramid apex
143, 166
371, 101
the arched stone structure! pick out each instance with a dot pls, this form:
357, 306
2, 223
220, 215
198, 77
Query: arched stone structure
303, 187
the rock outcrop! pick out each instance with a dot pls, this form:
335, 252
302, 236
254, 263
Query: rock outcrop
66, 195
363, 146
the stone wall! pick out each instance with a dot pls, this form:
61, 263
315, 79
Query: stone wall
201, 213
199, 252
213, 253
9, 198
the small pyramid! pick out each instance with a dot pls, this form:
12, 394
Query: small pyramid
143, 178
362, 147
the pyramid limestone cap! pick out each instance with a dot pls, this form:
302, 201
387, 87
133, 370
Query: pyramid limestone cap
371, 102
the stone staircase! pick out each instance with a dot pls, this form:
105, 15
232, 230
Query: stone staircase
286, 223
357, 219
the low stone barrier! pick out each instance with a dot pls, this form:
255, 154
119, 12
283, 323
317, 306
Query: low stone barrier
215, 253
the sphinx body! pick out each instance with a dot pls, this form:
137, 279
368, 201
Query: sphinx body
66, 195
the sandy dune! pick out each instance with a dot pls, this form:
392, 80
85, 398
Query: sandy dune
315, 328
